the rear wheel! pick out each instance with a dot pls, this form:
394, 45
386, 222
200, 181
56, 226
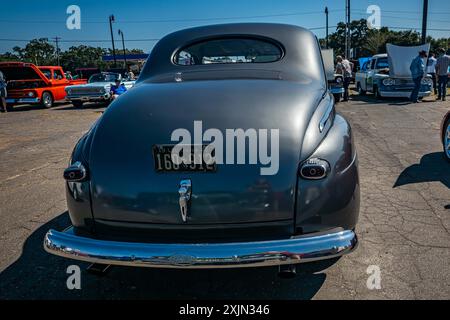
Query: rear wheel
77, 104
47, 100
337, 97
447, 140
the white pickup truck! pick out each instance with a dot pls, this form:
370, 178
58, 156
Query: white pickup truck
388, 74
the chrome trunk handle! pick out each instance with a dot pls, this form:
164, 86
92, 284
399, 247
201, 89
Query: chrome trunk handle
185, 192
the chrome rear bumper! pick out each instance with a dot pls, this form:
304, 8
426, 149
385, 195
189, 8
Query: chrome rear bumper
200, 255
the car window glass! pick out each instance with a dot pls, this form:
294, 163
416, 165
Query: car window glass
229, 51
382, 63
47, 73
104, 77
57, 74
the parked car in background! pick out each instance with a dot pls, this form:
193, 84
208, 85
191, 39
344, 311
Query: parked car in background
132, 202
97, 89
335, 81
445, 135
388, 74
38, 85
85, 73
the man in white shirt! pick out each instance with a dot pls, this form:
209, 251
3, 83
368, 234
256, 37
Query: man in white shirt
442, 64
344, 67
431, 69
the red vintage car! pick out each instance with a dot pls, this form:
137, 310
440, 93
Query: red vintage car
30, 84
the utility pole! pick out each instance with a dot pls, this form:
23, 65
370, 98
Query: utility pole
123, 47
57, 49
348, 42
424, 21
326, 27
111, 20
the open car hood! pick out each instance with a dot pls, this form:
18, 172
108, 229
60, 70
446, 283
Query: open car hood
400, 59
328, 63
19, 71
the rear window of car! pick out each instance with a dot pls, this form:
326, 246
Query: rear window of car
229, 51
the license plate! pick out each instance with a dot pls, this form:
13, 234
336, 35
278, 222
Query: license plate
162, 155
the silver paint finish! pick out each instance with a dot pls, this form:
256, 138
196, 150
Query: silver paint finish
201, 255
290, 95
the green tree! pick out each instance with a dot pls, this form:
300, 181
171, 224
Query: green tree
358, 35
8, 56
82, 56
37, 51
367, 42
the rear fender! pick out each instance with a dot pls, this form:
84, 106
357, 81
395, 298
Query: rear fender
332, 202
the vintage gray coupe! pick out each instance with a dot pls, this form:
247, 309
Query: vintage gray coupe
132, 203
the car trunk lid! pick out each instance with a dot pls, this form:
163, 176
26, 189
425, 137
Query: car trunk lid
126, 187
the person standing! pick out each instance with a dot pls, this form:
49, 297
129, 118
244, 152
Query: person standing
431, 69
442, 64
3, 93
417, 68
344, 67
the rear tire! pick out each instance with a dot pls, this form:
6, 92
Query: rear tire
446, 140
47, 100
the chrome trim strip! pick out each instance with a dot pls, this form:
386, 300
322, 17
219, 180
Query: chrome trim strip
326, 116
201, 255
402, 94
22, 100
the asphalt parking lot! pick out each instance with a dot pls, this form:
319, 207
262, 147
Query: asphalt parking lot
404, 226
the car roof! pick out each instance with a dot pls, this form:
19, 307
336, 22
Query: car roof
380, 55
301, 51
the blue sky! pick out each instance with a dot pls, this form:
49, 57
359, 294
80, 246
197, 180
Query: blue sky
142, 21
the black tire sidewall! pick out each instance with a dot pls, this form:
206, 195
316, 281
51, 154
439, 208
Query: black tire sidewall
43, 99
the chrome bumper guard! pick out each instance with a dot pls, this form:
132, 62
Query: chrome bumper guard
201, 255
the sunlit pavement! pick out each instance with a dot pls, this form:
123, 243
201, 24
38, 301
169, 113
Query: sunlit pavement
403, 229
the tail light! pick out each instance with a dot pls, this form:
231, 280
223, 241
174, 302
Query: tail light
76, 172
314, 169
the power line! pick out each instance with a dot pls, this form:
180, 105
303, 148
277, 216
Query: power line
177, 20
405, 12
81, 40
400, 18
